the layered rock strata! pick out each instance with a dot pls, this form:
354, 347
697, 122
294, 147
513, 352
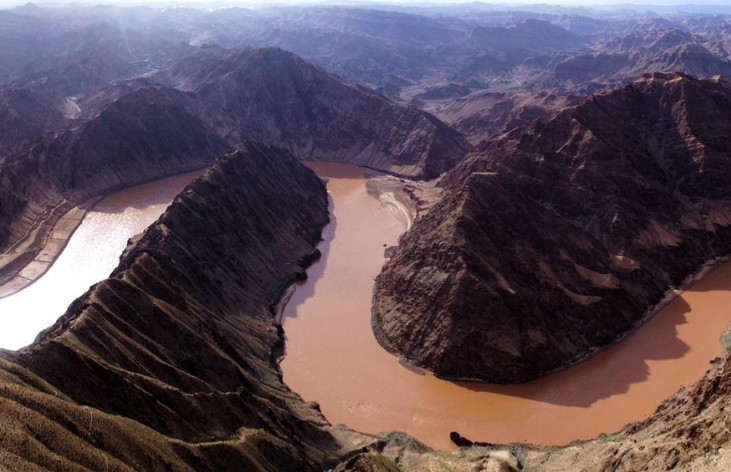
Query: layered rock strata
273, 96
170, 363
561, 237
146, 135
136, 132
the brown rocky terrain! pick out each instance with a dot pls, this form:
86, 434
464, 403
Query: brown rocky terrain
203, 392
170, 364
146, 135
271, 95
549, 242
134, 132
558, 238
625, 57
484, 115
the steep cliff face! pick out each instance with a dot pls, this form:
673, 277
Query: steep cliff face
170, 363
273, 96
559, 238
144, 135
135, 132
147, 134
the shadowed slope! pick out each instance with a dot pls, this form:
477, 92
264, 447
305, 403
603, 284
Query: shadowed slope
559, 238
179, 341
273, 96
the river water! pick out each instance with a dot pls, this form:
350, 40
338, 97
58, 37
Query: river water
333, 358
89, 257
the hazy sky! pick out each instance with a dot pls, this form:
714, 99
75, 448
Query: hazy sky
411, 2
219, 3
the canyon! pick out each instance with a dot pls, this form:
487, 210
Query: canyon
559, 177
73, 259
332, 357
591, 214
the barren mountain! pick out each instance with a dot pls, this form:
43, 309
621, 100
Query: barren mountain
177, 348
562, 236
146, 135
276, 97
482, 116
564, 229
623, 58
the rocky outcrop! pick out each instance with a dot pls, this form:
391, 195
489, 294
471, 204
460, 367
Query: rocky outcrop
145, 135
559, 238
623, 58
170, 364
688, 432
483, 116
273, 96
136, 132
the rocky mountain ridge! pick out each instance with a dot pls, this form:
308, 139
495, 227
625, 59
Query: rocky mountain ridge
559, 237
177, 348
138, 131
271, 95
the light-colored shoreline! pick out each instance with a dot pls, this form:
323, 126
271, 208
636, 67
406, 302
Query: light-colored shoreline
55, 241
283, 301
399, 209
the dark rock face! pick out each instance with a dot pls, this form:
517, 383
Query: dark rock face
145, 135
172, 357
273, 96
24, 115
483, 116
136, 132
557, 239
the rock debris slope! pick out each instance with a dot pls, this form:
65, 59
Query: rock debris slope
170, 363
560, 237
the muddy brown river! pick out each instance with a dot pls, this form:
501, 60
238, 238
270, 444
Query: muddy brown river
90, 256
333, 358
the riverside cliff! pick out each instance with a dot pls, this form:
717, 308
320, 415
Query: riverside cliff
170, 364
137, 131
560, 237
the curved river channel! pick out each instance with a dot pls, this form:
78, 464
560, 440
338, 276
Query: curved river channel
333, 358
90, 256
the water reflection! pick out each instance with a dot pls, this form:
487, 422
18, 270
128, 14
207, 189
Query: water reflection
90, 256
